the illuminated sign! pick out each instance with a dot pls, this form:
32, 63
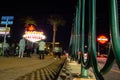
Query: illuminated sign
102, 39
4, 30
34, 36
7, 20
31, 28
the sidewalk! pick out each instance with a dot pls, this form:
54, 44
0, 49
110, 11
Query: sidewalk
12, 68
75, 70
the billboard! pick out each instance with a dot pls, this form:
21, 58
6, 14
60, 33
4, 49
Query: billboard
4, 30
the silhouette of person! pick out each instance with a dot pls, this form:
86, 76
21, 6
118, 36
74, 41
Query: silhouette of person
21, 47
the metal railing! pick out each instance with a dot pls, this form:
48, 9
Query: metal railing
77, 41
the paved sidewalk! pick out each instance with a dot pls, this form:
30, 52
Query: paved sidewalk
75, 70
13, 67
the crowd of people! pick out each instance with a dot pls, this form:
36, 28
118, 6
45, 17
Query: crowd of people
20, 49
25, 48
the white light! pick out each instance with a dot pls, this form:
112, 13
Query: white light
34, 36
103, 39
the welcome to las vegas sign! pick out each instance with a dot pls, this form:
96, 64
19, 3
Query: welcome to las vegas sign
34, 36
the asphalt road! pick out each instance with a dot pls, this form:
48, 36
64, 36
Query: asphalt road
113, 74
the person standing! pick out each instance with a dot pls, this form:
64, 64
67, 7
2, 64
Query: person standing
21, 47
28, 50
0, 49
17, 50
41, 49
12, 49
6, 49
57, 52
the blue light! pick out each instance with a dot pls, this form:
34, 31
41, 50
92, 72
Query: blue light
6, 22
7, 18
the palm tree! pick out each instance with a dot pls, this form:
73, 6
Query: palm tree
28, 21
55, 21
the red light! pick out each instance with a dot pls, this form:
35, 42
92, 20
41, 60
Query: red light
31, 28
102, 39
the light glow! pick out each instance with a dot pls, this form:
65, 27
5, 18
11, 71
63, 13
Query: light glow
102, 39
31, 28
34, 36
4, 30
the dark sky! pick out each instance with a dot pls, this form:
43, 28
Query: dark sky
40, 10
37, 7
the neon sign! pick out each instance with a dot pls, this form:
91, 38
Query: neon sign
102, 39
4, 30
34, 36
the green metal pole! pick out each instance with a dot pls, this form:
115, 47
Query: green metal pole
109, 63
74, 39
79, 29
115, 30
76, 34
71, 43
93, 43
79, 23
84, 72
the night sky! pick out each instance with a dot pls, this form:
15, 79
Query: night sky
40, 10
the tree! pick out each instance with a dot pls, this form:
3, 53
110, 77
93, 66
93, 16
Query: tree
28, 21
55, 21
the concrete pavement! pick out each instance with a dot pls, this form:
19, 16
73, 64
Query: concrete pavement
75, 70
72, 71
13, 67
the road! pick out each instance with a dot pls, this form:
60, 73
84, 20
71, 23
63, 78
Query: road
113, 74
